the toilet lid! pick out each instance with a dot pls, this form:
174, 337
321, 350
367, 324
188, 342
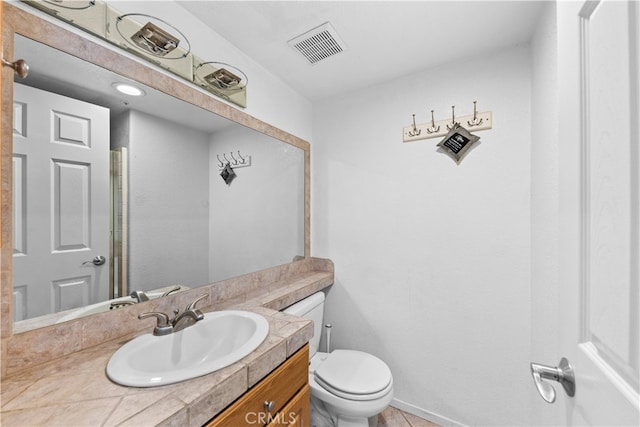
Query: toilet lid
354, 375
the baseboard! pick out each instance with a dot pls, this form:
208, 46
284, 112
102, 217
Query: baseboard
423, 413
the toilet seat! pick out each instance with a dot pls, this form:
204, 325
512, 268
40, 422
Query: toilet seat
354, 375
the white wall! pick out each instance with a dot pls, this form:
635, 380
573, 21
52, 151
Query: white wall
168, 204
258, 221
433, 259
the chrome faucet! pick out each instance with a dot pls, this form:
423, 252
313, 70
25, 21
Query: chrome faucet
172, 290
163, 326
189, 317
186, 319
140, 296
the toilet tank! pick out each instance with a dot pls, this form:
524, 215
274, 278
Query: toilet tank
311, 308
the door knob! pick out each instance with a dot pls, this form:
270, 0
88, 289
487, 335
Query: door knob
20, 67
99, 260
563, 374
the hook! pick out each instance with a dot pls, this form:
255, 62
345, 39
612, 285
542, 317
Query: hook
476, 121
235, 161
433, 128
453, 119
221, 163
242, 159
225, 157
415, 131
20, 67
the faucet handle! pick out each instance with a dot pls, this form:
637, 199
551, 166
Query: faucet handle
163, 327
140, 296
176, 288
192, 306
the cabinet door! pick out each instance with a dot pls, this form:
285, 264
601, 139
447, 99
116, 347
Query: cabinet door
295, 413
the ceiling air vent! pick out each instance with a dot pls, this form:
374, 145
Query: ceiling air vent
319, 43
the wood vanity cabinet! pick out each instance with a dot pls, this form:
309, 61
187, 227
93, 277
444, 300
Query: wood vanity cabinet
296, 413
280, 399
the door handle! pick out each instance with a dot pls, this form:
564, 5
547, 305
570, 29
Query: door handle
563, 373
99, 260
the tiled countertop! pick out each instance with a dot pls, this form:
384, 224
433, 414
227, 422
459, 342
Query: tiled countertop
75, 391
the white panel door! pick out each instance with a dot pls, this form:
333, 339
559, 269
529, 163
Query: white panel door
61, 202
598, 57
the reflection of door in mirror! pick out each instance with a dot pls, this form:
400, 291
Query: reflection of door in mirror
61, 193
182, 225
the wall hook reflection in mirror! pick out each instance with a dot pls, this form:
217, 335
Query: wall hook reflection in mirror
20, 67
453, 118
228, 174
433, 128
236, 161
476, 121
415, 131
242, 159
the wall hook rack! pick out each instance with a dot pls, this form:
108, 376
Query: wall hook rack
436, 129
477, 121
453, 123
415, 131
433, 128
236, 161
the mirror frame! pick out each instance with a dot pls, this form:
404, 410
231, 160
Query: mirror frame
15, 20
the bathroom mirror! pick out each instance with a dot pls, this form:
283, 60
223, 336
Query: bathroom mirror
182, 223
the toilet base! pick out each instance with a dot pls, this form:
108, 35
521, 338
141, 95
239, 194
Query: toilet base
321, 417
358, 422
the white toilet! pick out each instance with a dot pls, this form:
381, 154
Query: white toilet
348, 387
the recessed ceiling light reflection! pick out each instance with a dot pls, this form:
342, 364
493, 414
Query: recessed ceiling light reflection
128, 89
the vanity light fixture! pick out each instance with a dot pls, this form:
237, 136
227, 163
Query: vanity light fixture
223, 78
128, 89
151, 38
156, 38
76, 5
218, 75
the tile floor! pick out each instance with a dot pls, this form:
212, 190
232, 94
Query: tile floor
393, 417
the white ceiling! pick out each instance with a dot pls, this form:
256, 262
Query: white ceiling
385, 39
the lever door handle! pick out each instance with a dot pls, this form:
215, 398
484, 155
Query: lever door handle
563, 374
99, 260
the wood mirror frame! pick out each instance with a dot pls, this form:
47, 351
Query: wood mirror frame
18, 21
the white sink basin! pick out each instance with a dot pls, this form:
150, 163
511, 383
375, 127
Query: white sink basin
219, 340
